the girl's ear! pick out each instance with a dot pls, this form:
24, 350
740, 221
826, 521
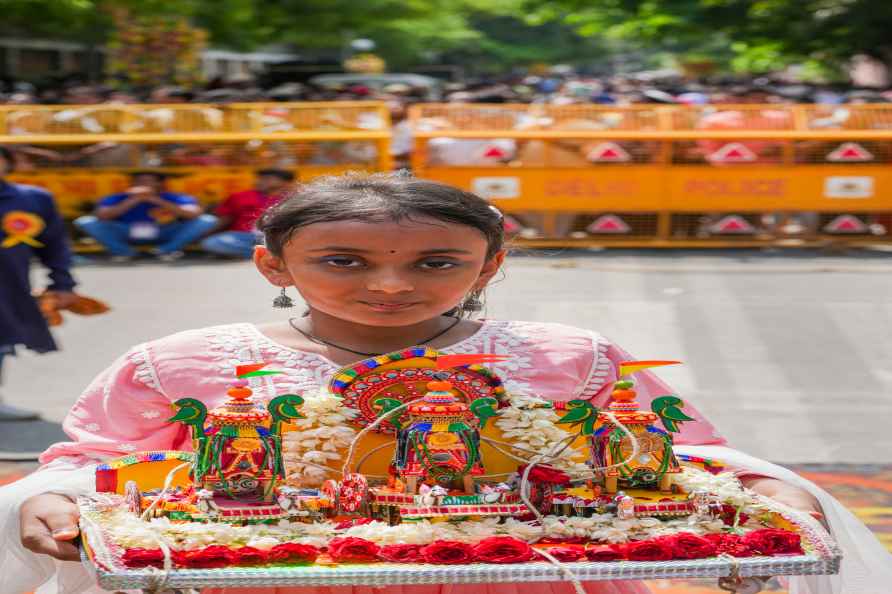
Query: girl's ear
272, 267
490, 268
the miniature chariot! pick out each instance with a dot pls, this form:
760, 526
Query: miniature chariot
432, 418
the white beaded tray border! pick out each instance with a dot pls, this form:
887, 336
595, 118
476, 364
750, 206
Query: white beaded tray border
112, 575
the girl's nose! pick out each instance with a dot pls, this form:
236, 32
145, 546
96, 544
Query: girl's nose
389, 281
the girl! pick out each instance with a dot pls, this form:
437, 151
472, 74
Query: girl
383, 263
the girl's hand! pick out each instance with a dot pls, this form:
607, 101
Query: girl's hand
48, 522
791, 496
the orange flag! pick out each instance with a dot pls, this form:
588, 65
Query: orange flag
629, 367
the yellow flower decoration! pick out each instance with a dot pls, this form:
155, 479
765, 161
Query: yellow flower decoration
21, 227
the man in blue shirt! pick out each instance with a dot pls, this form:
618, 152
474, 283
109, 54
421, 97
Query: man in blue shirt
147, 214
30, 227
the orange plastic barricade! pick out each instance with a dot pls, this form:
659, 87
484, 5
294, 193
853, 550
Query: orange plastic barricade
719, 175
83, 152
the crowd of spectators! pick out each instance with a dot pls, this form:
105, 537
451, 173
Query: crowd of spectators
148, 214
564, 88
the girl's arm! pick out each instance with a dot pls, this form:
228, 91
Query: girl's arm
785, 493
123, 410
21, 570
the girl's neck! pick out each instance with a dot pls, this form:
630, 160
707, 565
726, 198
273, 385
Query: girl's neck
373, 339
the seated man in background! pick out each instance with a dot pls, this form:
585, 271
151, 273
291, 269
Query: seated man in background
146, 214
238, 214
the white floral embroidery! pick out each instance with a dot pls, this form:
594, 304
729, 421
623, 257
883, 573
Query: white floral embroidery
150, 414
145, 372
236, 344
127, 447
79, 412
228, 347
92, 427
600, 368
501, 338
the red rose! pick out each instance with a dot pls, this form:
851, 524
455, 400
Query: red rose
567, 554
545, 474
605, 553
293, 552
143, 557
690, 546
771, 541
400, 553
208, 557
447, 552
649, 550
731, 544
250, 556
353, 549
727, 515
502, 549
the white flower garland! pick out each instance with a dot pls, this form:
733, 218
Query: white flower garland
724, 485
529, 423
128, 531
319, 438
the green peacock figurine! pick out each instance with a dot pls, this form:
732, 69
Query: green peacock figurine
238, 445
612, 445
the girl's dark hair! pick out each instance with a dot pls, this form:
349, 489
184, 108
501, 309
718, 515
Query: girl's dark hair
379, 197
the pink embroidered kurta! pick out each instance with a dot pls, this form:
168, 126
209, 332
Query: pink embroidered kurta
125, 408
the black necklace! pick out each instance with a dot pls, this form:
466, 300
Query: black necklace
322, 341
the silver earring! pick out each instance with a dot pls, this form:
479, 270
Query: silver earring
283, 301
472, 302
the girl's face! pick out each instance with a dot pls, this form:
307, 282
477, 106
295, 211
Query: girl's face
382, 273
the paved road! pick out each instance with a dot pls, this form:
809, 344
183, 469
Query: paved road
790, 355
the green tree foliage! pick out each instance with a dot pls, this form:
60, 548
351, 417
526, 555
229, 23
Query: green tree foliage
760, 34
489, 34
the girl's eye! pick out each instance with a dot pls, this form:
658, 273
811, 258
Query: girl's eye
438, 264
343, 262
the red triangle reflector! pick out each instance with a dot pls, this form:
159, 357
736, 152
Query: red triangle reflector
850, 151
734, 152
609, 224
608, 152
846, 223
494, 152
732, 224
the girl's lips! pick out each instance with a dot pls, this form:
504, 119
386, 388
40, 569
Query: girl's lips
387, 306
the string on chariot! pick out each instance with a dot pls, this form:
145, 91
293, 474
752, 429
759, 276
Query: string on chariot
556, 451
161, 576
168, 481
345, 470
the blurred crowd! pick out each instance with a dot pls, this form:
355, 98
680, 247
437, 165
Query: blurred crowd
558, 88
399, 92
